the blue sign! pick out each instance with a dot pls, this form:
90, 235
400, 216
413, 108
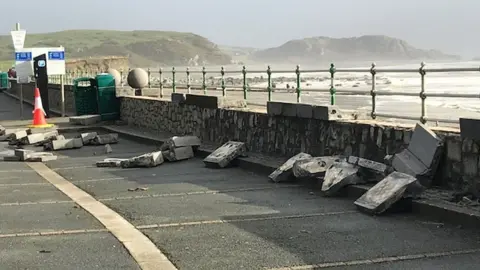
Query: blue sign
41, 63
23, 56
56, 55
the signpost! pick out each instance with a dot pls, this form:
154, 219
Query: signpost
24, 62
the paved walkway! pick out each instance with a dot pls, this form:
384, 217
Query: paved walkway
204, 218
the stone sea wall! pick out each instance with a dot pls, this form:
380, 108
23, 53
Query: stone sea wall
287, 136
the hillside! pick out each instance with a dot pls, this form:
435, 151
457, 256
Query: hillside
372, 48
144, 48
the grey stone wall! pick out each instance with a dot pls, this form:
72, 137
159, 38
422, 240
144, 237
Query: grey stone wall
286, 136
54, 95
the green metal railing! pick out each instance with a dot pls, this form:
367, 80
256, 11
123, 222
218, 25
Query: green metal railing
223, 75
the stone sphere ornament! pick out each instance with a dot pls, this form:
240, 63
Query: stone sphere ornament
137, 78
116, 75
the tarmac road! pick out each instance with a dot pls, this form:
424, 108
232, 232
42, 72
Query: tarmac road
204, 218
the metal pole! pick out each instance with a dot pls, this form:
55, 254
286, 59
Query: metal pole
21, 101
62, 91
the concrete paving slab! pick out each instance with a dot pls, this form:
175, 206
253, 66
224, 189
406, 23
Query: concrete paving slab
8, 179
45, 217
74, 252
289, 242
463, 262
17, 166
214, 206
37, 193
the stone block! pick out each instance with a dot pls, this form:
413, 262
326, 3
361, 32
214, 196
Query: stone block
147, 160
182, 141
284, 172
63, 144
338, 176
178, 98
41, 157
108, 149
11, 158
274, 108
39, 137
111, 138
368, 164
49, 140
16, 136
88, 137
85, 120
202, 101
23, 154
332, 113
386, 192
177, 154
110, 163
223, 155
470, 128
304, 110
426, 146
313, 167
11, 131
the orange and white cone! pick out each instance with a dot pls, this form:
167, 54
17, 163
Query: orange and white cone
39, 113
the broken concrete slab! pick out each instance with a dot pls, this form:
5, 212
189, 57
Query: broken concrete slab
225, 154
88, 137
40, 157
422, 156
284, 172
108, 149
181, 141
369, 170
313, 167
386, 192
35, 138
48, 140
11, 158
18, 135
179, 153
63, 144
147, 160
110, 163
111, 138
339, 175
11, 131
23, 154
85, 120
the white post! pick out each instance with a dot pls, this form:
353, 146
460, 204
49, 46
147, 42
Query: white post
62, 90
21, 100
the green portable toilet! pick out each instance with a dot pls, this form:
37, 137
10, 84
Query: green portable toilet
85, 93
4, 80
108, 103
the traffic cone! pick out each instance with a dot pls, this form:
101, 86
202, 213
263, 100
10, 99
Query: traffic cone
39, 113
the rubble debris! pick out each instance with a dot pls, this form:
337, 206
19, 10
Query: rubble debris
2, 130
138, 189
388, 191
38, 137
110, 163
111, 138
422, 156
48, 140
22, 154
369, 170
16, 136
284, 172
225, 154
85, 120
181, 141
339, 175
88, 137
179, 153
108, 149
40, 157
63, 144
147, 160
313, 167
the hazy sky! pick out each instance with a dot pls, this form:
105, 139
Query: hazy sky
449, 25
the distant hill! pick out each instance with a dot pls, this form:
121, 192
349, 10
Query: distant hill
143, 48
374, 48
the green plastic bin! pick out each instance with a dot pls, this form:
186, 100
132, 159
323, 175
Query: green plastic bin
85, 96
108, 103
4, 80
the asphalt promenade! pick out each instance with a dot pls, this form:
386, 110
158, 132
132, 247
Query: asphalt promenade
203, 218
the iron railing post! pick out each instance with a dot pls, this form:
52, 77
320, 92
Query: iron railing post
299, 89
224, 88
373, 93
174, 87
333, 91
204, 80
423, 96
269, 85
189, 90
245, 88
160, 91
